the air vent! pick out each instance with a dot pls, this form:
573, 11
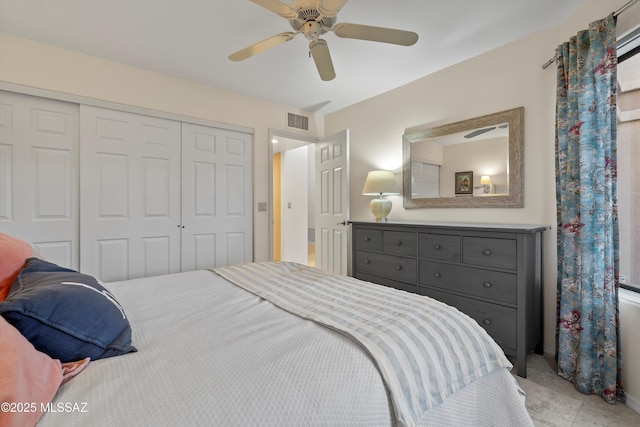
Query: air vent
297, 121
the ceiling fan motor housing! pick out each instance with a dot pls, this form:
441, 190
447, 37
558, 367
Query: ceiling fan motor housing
307, 20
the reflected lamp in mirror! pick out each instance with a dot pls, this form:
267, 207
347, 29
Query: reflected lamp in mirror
381, 184
485, 180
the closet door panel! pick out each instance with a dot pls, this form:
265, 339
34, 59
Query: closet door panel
39, 174
112, 259
203, 248
130, 192
217, 197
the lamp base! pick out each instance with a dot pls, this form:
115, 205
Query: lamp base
380, 208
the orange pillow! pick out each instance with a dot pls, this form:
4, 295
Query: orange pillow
13, 253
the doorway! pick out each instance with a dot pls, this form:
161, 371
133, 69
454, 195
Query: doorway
292, 189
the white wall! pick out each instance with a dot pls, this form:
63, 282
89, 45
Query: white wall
629, 321
507, 77
295, 204
36, 65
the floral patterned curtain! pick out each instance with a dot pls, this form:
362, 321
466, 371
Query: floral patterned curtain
586, 201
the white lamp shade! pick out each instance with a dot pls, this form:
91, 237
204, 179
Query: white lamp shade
380, 182
485, 179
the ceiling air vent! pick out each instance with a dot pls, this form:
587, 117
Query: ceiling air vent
297, 121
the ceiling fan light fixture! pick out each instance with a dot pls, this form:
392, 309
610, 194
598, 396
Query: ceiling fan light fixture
312, 30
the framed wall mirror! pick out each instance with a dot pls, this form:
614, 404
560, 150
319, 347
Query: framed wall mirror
473, 163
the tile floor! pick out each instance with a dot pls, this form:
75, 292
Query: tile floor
554, 401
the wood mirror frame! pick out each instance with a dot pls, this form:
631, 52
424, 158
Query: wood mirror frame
515, 198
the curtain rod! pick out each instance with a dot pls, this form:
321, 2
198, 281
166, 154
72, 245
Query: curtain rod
616, 13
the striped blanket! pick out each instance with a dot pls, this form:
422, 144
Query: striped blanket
425, 350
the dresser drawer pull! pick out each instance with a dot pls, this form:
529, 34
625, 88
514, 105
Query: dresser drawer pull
398, 267
487, 285
436, 247
367, 238
486, 322
366, 261
437, 275
486, 252
398, 242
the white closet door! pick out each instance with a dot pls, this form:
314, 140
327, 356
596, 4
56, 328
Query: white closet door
130, 194
216, 197
38, 174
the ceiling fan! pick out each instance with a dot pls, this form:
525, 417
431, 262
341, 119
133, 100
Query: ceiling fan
314, 18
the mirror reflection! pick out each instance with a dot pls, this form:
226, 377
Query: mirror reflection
484, 152
472, 163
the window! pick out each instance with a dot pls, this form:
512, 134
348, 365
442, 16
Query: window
628, 111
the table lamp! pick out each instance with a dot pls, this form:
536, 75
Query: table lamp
381, 184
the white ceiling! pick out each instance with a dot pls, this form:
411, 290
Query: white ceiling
192, 39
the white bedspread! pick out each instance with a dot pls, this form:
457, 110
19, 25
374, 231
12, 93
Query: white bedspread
425, 350
212, 354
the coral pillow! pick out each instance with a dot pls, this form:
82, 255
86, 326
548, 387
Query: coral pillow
13, 253
28, 378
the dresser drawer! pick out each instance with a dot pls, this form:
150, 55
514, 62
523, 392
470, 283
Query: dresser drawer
404, 286
490, 252
439, 246
399, 243
389, 266
498, 321
493, 285
365, 238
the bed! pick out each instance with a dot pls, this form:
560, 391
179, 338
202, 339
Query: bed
218, 348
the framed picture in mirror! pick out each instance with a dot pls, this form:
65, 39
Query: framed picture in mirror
464, 182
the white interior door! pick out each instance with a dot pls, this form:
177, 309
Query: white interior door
217, 197
39, 174
130, 194
332, 203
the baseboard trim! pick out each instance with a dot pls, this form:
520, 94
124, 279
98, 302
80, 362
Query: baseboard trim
633, 403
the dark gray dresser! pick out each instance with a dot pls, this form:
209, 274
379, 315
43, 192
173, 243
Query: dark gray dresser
491, 272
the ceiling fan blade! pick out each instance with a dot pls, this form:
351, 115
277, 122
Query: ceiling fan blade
320, 52
479, 132
376, 34
330, 8
255, 49
277, 7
